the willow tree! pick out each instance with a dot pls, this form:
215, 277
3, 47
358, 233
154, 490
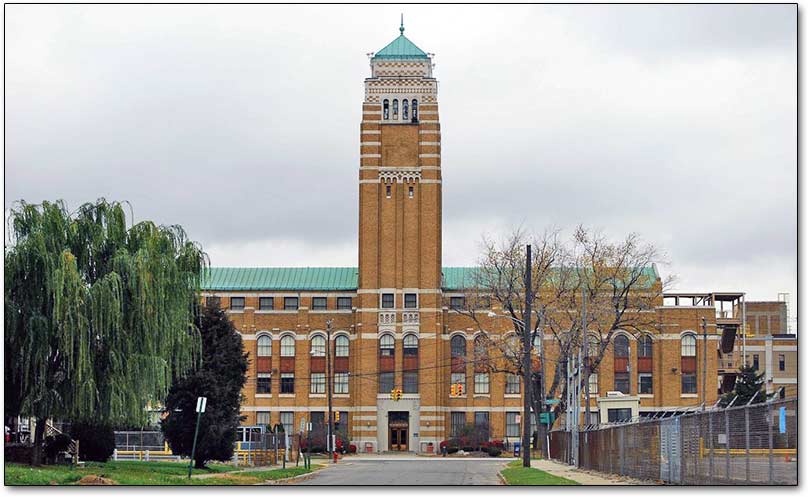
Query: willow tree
99, 317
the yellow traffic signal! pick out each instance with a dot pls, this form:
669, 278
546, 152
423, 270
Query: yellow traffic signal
453, 390
336, 416
398, 394
459, 389
393, 394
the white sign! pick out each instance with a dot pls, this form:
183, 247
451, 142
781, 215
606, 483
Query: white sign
303, 425
518, 418
201, 402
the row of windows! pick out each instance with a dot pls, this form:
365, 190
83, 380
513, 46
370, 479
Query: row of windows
645, 383
405, 110
410, 301
781, 362
264, 346
289, 303
387, 345
387, 382
287, 383
287, 419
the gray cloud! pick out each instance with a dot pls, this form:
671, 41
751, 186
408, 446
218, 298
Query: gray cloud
241, 123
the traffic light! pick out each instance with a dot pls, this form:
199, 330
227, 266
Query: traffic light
398, 394
336, 416
453, 390
459, 389
393, 394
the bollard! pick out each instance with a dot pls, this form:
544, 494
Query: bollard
115, 455
147, 455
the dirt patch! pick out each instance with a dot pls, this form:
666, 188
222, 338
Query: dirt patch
96, 480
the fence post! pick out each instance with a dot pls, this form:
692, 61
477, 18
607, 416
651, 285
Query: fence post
726, 443
712, 445
147, 455
746, 422
114, 454
622, 448
770, 420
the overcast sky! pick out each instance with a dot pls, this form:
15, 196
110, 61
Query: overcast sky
241, 123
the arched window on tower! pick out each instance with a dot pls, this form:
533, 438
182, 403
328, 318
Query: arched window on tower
395, 109
386, 107
458, 346
405, 110
414, 110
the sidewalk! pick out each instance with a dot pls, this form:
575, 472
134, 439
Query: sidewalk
582, 476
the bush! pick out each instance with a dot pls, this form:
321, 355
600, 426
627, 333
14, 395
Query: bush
96, 442
352, 449
494, 452
55, 445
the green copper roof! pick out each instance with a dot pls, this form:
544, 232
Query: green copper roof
281, 278
326, 278
401, 48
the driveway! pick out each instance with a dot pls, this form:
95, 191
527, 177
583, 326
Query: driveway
409, 471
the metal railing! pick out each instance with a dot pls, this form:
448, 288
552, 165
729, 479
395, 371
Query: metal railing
738, 445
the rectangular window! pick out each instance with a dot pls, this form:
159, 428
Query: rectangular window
344, 303
410, 300
287, 383
688, 382
388, 191
388, 301
593, 383
262, 418
622, 383
459, 379
288, 421
457, 303
317, 421
481, 384
236, 303
621, 414
212, 301
264, 383
646, 383
511, 424
410, 382
266, 303
512, 384
756, 361
412, 192
290, 303
341, 383
781, 359
458, 423
319, 303
481, 419
387, 382
318, 383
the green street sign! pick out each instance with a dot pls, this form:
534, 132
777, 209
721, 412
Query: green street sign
547, 418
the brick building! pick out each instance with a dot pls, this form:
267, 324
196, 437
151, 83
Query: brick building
392, 317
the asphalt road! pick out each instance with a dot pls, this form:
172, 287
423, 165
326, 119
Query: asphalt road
417, 471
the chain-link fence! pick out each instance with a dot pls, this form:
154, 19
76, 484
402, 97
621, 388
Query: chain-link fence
746, 445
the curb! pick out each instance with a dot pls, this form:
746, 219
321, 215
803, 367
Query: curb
291, 479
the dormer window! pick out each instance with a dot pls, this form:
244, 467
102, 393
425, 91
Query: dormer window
414, 110
386, 109
405, 110
395, 109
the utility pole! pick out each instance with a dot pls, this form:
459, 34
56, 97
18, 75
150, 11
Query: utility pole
585, 345
704, 365
330, 443
526, 375
201, 403
542, 388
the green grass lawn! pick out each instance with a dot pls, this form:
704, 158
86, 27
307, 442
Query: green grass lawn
515, 474
144, 473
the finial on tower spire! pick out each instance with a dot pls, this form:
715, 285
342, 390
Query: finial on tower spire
402, 24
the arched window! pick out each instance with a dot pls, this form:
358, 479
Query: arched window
410, 345
688, 346
395, 109
287, 346
414, 110
341, 347
386, 109
405, 110
264, 346
646, 346
458, 345
386, 345
620, 346
318, 346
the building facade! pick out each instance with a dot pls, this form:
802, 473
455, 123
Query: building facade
393, 318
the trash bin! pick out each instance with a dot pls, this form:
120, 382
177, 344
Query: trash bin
517, 449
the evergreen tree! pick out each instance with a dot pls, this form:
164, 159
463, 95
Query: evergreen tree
98, 315
220, 378
747, 385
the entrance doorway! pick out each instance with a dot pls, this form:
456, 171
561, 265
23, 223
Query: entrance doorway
399, 426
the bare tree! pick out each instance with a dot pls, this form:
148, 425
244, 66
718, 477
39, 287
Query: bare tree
616, 277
